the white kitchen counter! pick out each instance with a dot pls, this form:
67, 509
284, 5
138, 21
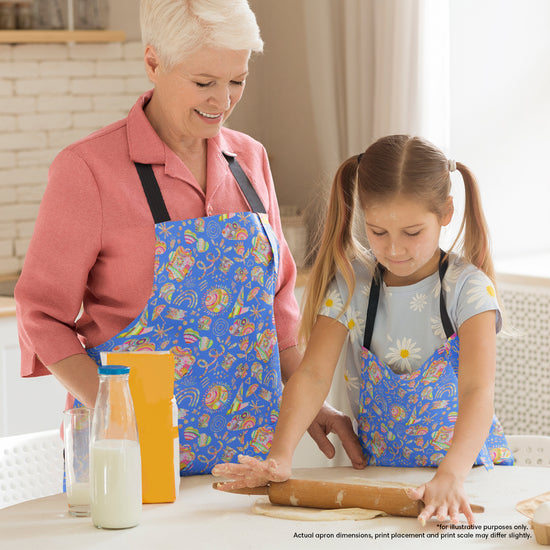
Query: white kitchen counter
203, 518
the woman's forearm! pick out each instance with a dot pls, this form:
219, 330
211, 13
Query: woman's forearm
78, 373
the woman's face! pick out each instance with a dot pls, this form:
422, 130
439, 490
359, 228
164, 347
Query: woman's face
195, 97
404, 237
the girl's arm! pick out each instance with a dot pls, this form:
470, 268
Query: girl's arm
444, 495
328, 420
303, 396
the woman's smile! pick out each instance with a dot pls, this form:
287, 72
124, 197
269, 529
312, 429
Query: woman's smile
210, 118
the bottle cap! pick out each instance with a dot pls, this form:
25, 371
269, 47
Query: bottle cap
113, 369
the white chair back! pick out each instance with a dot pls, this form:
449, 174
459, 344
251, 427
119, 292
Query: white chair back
31, 466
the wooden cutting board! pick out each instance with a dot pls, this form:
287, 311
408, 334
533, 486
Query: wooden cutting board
527, 507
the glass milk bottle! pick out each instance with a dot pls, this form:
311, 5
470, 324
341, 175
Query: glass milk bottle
115, 469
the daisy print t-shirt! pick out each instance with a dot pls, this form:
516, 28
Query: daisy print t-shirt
408, 327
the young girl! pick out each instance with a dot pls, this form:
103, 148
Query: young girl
419, 324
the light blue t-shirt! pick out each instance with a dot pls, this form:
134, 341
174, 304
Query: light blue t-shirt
408, 327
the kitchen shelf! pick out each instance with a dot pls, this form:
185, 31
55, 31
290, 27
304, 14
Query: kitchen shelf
47, 36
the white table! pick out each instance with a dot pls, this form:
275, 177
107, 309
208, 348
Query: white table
203, 518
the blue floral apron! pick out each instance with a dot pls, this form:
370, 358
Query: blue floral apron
212, 306
408, 419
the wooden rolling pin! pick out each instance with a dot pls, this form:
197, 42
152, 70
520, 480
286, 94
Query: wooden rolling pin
329, 495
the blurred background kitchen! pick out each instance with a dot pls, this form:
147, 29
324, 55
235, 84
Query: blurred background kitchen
471, 75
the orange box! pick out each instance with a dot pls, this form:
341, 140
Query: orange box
151, 383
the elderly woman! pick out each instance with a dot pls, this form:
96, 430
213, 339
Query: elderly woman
162, 232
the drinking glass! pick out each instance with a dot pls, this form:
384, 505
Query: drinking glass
77, 427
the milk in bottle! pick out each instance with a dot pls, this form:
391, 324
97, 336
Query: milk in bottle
115, 472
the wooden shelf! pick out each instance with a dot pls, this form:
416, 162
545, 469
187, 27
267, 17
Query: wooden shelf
46, 36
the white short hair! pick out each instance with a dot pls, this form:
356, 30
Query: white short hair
177, 28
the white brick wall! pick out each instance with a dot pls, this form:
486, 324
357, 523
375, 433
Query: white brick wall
50, 96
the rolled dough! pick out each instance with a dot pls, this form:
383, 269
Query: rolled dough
297, 513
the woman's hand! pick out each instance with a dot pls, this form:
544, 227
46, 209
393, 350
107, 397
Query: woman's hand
251, 472
443, 497
330, 420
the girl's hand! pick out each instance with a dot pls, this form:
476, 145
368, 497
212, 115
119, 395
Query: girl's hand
251, 472
443, 497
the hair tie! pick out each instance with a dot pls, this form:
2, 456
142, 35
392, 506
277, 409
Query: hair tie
452, 165
359, 157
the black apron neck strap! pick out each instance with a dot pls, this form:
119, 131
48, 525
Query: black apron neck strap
158, 206
152, 192
445, 320
374, 297
244, 183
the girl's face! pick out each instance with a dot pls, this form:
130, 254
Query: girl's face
404, 237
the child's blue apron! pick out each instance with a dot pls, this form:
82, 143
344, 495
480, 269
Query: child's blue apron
408, 419
212, 306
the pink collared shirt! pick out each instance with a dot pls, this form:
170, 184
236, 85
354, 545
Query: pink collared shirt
93, 243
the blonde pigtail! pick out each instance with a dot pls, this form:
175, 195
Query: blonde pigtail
337, 244
476, 245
